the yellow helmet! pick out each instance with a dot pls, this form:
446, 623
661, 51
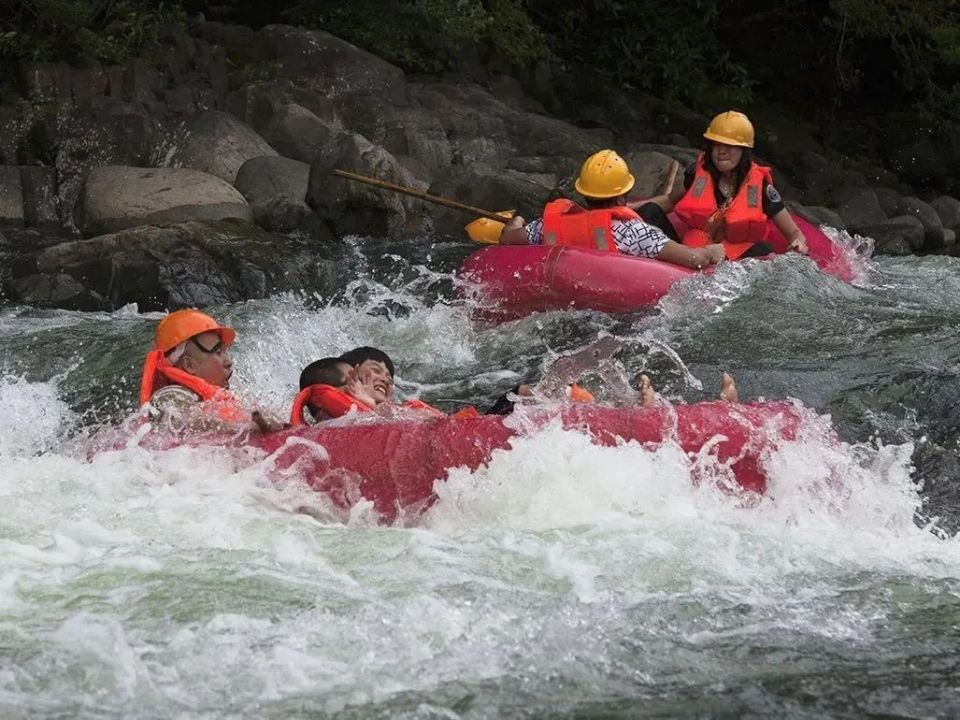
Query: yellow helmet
604, 175
731, 128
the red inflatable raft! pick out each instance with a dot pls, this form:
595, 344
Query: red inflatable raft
515, 281
394, 464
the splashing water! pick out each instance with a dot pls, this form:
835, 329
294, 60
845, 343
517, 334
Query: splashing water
561, 579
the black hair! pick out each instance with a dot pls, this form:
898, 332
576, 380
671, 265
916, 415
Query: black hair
325, 371
743, 167
600, 203
360, 355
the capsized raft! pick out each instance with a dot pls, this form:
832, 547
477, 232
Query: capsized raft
512, 281
394, 464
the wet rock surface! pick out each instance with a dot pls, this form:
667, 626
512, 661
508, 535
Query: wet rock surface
181, 135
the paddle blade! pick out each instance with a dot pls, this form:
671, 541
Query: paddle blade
486, 231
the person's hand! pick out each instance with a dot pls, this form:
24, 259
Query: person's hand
715, 253
266, 424
799, 245
513, 223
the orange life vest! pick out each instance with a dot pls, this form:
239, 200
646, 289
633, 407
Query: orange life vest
332, 401
566, 223
158, 373
336, 403
744, 222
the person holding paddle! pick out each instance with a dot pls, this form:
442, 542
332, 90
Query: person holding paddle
606, 223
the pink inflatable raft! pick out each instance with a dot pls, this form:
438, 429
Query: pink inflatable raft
515, 281
395, 464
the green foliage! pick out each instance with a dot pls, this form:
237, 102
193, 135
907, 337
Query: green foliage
669, 49
69, 30
428, 35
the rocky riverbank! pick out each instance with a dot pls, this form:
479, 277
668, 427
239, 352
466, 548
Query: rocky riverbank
201, 172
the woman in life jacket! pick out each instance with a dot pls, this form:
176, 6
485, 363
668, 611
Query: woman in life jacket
606, 223
731, 199
186, 376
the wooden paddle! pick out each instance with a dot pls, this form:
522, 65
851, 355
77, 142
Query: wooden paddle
427, 197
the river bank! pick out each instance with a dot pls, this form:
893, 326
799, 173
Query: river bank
179, 167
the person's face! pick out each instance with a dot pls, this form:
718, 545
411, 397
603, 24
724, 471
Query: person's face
725, 157
208, 358
378, 381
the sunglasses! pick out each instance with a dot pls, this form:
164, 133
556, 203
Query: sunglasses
219, 349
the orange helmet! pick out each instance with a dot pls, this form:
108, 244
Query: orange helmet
181, 325
731, 128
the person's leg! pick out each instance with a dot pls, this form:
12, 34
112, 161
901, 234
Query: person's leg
654, 215
728, 389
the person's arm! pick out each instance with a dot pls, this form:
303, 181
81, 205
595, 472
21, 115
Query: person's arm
795, 238
695, 258
667, 197
514, 232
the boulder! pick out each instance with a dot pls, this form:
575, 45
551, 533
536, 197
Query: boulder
948, 209
39, 186
825, 182
897, 236
276, 189
650, 169
117, 197
259, 104
949, 238
329, 65
297, 133
817, 214
859, 207
187, 264
932, 226
488, 189
353, 208
11, 197
211, 141
888, 199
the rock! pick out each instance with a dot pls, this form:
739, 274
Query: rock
817, 214
11, 197
949, 237
258, 104
924, 162
897, 236
57, 290
187, 264
352, 208
212, 141
948, 209
276, 187
413, 135
825, 182
683, 155
118, 197
650, 169
298, 134
39, 185
329, 65
488, 189
888, 199
932, 226
860, 208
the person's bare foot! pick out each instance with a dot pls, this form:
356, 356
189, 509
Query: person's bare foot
728, 389
648, 395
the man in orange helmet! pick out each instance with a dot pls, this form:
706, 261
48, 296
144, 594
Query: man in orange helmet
186, 377
606, 223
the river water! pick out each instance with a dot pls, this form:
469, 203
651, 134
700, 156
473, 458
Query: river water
563, 580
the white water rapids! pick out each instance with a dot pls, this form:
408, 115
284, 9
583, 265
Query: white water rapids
562, 580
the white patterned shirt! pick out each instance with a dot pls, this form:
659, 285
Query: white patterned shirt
633, 237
